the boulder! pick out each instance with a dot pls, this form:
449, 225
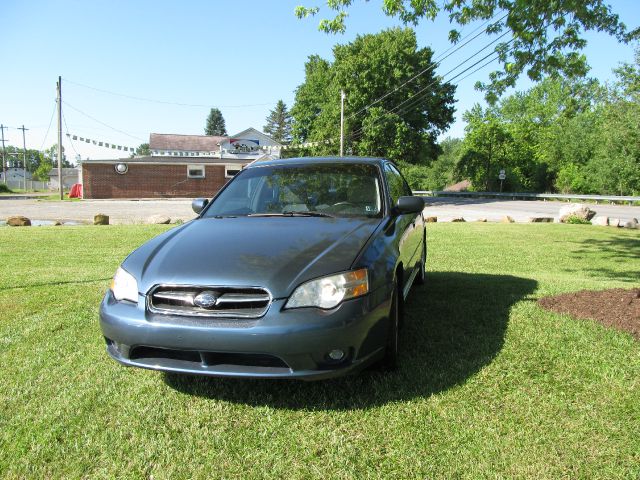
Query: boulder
159, 219
57, 223
507, 219
18, 221
431, 219
576, 210
101, 219
541, 219
615, 222
600, 220
482, 219
458, 219
633, 223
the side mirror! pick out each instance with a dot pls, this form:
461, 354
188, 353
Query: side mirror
198, 204
409, 205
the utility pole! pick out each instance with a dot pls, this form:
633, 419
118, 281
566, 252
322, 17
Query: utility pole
59, 101
342, 97
4, 155
24, 157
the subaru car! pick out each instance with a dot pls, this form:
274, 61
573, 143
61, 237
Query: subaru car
297, 268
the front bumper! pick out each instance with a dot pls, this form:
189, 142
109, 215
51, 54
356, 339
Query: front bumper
281, 344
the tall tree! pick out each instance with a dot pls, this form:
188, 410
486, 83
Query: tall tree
279, 123
215, 123
382, 115
546, 35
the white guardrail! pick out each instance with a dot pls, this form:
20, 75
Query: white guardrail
528, 196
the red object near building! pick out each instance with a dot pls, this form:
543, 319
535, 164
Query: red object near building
76, 191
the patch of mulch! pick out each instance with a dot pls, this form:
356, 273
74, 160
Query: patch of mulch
616, 308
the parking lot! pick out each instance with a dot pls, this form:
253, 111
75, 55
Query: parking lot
138, 211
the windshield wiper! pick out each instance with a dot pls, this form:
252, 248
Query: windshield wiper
292, 214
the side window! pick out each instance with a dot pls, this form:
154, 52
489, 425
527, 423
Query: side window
398, 187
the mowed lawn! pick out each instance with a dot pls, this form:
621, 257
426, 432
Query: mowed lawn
490, 385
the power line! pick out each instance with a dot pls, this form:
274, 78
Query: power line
68, 135
44, 140
433, 65
101, 123
416, 96
163, 102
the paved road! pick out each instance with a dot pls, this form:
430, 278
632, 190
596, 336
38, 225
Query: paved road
137, 211
445, 208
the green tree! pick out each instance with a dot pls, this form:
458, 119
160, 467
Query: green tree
547, 35
215, 123
15, 156
51, 153
143, 150
484, 151
615, 168
279, 123
381, 117
42, 172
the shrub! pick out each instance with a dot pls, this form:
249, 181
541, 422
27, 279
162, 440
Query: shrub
575, 220
4, 188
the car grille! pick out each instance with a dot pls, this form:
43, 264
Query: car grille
231, 302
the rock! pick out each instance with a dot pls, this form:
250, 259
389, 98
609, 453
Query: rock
541, 219
101, 219
576, 210
483, 220
600, 220
431, 219
458, 219
158, 219
615, 222
57, 223
507, 219
633, 223
18, 221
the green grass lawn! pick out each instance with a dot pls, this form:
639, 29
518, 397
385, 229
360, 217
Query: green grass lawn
490, 385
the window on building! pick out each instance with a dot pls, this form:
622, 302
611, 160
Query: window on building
232, 170
195, 171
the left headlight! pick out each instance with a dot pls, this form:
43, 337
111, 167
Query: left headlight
124, 286
329, 292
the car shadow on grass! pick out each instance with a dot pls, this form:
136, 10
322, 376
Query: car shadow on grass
455, 325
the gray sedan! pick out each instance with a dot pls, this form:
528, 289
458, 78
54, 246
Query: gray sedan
297, 268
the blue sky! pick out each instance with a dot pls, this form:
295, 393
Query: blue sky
241, 56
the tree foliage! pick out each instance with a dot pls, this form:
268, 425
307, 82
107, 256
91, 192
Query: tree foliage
15, 156
278, 124
380, 118
547, 35
215, 123
143, 150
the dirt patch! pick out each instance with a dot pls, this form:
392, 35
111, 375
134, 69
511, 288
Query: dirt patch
616, 308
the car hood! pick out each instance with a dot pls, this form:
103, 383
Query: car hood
278, 253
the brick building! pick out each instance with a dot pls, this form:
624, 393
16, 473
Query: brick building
179, 166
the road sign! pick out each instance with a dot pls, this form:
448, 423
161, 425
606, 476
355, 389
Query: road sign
502, 176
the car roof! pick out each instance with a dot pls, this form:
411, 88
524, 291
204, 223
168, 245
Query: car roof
316, 160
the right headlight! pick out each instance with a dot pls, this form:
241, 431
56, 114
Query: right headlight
124, 286
328, 292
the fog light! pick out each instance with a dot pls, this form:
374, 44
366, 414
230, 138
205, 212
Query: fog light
336, 354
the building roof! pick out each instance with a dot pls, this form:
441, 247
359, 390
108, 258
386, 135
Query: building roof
65, 171
191, 143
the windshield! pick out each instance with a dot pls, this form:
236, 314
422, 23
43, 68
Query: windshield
332, 189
